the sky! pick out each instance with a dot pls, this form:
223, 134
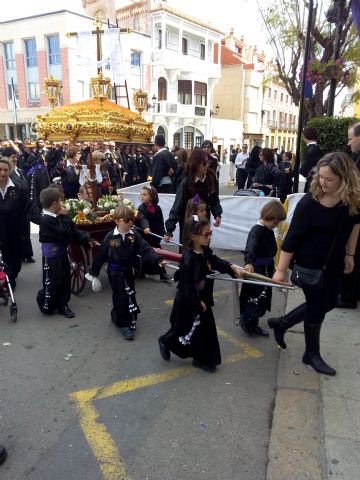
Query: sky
242, 15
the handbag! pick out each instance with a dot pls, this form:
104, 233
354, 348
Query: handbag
313, 278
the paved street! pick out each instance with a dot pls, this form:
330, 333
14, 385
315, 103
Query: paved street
77, 401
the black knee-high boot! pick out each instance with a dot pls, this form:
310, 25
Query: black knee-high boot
312, 356
281, 324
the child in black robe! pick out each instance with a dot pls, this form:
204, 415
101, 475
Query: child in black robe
56, 232
259, 256
120, 248
193, 330
151, 220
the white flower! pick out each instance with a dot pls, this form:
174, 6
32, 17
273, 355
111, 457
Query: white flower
112, 211
86, 211
67, 206
106, 205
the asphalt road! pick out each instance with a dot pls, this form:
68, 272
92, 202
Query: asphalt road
79, 402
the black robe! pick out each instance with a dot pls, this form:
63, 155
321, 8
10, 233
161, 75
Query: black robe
193, 287
59, 231
260, 251
13, 209
121, 257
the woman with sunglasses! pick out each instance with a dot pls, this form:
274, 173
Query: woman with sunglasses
198, 179
193, 330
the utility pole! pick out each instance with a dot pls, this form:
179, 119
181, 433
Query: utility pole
302, 97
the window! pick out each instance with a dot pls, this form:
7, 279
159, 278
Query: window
30, 52
198, 141
185, 45
34, 91
287, 98
177, 139
9, 56
54, 50
275, 94
188, 140
135, 59
159, 38
162, 89
185, 92
200, 93
202, 51
269, 93
281, 97
10, 92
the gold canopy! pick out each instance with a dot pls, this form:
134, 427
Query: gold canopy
93, 120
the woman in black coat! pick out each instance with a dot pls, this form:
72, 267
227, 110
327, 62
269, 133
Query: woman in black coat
252, 163
198, 179
330, 211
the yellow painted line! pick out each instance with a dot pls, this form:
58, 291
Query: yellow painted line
100, 441
248, 350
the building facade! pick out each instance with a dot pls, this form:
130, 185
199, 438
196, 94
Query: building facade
183, 70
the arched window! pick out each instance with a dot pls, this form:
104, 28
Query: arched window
162, 89
160, 131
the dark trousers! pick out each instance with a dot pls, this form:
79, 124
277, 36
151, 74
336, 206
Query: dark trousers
350, 283
241, 176
122, 299
167, 188
56, 290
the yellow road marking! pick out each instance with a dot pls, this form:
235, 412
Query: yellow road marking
100, 441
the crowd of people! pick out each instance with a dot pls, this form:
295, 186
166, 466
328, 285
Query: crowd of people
324, 232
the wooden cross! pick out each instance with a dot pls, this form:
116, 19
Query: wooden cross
98, 31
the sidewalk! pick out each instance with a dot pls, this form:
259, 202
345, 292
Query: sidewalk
316, 421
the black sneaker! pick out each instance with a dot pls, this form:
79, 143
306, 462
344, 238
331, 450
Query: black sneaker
29, 260
127, 333
66, 312
164, 351
165, 277
3, 454
260, 331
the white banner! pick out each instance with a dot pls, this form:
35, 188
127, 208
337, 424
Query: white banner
240, 214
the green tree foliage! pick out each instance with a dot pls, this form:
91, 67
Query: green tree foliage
286, 22
332, 133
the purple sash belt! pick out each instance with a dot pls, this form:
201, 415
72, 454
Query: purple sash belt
52, 249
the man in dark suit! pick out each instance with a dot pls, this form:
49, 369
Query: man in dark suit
162, 166
350, 283
312, 156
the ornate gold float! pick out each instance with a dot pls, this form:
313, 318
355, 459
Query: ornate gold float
93, 120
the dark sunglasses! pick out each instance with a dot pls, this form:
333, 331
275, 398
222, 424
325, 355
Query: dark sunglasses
206, 234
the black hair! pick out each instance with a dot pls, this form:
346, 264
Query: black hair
310, 133
192, 226
160, 140
153, 194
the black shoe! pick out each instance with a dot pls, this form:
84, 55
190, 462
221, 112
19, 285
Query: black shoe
245, 328
348, 304
165, 277
66, 312
127, 333
315, 361
29, 260
260, 331
206, 368
3, 454
164, 351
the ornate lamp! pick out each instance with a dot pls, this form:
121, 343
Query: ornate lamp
52, 90
216, 112
100, 87
141, 101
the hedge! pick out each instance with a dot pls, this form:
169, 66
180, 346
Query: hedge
332, 133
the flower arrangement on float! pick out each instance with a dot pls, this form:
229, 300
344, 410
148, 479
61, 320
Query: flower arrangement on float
79, 210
